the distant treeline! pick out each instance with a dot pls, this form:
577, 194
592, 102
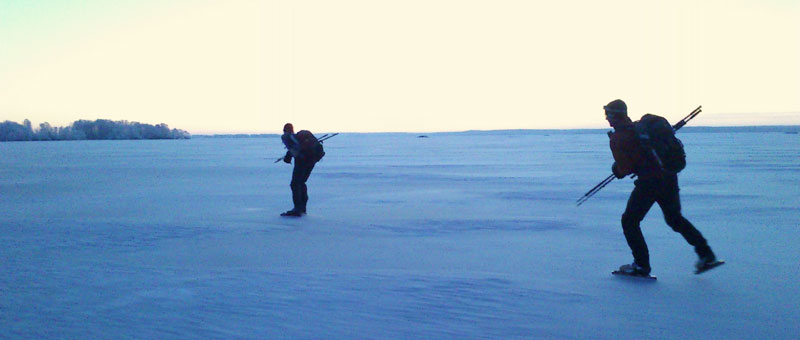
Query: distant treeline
85, 129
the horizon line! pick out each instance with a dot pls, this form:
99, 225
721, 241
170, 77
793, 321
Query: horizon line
769, 126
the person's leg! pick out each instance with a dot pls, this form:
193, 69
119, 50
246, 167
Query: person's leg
305, 173
639, 203
670, 202
297, 184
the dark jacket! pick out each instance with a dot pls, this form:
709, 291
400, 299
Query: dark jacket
292, 146
630, 157
293, 150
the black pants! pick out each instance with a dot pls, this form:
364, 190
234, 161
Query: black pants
663, 191
300, 174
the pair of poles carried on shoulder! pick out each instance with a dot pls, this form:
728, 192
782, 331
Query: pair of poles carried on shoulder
610, 178
326, 137
320, 139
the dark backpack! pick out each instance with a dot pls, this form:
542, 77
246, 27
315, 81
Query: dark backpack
310, 145
656, 133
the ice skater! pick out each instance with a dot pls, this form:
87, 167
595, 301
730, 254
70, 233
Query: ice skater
656, 183
306, 151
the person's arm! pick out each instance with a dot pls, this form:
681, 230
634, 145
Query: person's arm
291, 144
625, 151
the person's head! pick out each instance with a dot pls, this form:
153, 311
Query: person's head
617, 113
288, 128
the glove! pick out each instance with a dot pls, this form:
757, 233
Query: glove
287, 159
616, 171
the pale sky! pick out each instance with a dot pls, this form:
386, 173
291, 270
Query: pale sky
247, 66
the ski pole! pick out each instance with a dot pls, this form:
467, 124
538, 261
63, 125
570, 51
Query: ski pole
594, 190
610, 178
686, 119
598, 186
326, 137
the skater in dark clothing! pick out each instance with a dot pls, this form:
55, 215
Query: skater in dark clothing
653, 185
303, 165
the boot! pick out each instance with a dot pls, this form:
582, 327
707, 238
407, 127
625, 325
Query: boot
634, 269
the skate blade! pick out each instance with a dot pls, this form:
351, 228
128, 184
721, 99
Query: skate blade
710, 266
646, 277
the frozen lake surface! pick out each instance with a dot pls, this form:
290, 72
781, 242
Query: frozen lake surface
456, 236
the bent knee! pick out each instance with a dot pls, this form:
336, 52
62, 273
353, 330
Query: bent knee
629, 220
676, 222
